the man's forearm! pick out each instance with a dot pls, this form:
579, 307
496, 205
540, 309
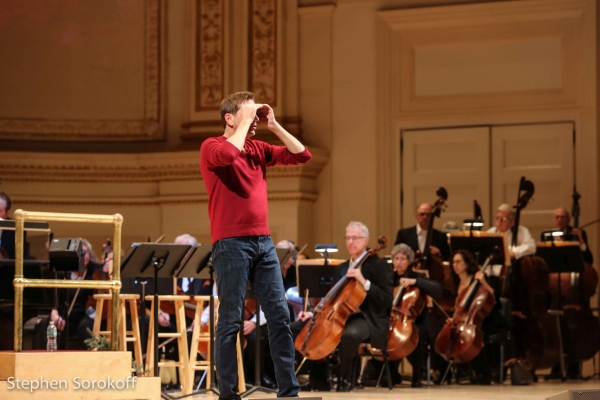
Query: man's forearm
290, 142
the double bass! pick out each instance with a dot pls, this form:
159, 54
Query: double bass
403, 334
434, 263
323, 333
461, 339
535, 330
571, 293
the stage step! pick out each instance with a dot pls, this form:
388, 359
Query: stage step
69, 375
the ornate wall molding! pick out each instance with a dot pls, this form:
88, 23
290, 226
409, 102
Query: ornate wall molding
150, 127
112, 168
210, 50
147, 201
263, 50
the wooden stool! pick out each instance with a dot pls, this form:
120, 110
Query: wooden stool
202, 335
180, 334
124, 335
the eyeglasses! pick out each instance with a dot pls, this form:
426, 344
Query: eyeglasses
561, 217
422, 214
501, 219
353, 238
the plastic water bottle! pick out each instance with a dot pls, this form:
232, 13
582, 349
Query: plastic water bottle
51, 334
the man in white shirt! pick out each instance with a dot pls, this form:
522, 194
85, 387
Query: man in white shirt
505, 220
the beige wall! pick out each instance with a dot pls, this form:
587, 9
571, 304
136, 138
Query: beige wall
345, 76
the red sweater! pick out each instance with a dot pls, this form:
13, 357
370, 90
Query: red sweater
236, 183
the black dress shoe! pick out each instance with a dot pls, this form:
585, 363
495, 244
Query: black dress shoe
268, 383
416, 384
344, 386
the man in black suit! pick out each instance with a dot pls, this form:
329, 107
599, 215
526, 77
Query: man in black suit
561, 222
416, 236
7, 238
370, 322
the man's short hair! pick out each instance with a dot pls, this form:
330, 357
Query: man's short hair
507, 208
231, 104
6, 199
186, 239
361, 226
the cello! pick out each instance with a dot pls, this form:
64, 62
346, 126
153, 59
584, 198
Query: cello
324, 332
403, 334
461, 339
527, 284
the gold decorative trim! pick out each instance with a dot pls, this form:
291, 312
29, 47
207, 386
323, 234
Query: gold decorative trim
263, 50
144, 167
148, 128
149, 201
210, 51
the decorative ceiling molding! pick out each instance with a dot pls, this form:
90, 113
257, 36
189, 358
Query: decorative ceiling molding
263, 50
143, 167
210, 50
149, 128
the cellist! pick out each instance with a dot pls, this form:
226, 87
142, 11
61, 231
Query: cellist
370, 322
404, 276
464, 272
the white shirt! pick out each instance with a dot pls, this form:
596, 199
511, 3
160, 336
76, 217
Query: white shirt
525, 242
185, 284
422, 237
367, 284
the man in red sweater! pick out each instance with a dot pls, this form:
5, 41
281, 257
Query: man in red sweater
234, 171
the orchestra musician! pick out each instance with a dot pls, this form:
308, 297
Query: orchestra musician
7, 237
370, 323
79, 320
233, 170
288, 273
505, 219
191, 286
402, 257
562, 220
416, 236
464, 272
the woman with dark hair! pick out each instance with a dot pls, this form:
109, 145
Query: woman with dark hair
464, 271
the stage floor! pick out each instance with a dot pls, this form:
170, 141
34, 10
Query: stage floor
537, 391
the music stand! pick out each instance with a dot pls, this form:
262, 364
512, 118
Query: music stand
194, 266
561, 257
318, 279
257, 350
153, 260
481, 245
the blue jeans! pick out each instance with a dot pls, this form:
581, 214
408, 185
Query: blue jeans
238, 260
